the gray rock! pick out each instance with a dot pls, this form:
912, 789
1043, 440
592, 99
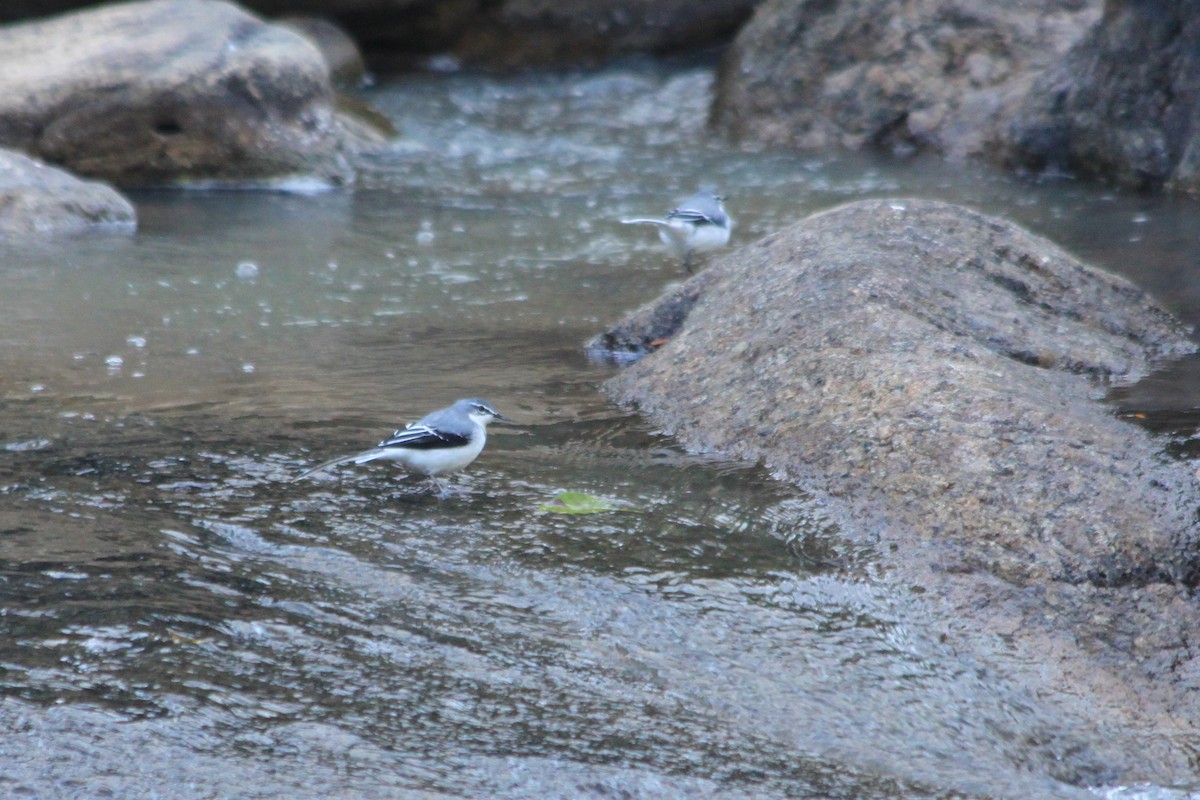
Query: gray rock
37, 200
521, 32
169, 91
931, 376
341, 53
503, 33
936, 75
1123, 104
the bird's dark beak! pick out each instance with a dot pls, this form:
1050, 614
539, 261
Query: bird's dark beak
501, 417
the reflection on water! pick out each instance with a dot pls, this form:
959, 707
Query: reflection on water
358, 634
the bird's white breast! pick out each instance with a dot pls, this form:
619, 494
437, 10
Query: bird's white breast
682, 236
437, 461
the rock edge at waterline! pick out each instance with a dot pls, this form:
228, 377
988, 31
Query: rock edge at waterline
932, 376
37, 200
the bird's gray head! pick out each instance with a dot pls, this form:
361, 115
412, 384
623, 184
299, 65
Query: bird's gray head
479, 410
708, 202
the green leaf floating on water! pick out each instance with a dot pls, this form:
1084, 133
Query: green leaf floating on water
582, 503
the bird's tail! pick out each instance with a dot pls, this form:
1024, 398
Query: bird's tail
357, 458
645, 221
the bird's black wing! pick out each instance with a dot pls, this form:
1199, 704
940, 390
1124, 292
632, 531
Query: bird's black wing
423, 437
691, 215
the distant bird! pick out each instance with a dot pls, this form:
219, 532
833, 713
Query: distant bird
441, 442
698, 225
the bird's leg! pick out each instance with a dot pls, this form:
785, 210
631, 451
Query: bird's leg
687, 262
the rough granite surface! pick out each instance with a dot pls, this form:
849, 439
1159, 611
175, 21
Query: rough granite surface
932, 377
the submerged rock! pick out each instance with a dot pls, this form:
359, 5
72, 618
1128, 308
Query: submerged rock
935, 75
1123, 104
174, 91
39, 200
931, 375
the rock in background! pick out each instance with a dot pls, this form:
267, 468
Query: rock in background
346, 65
1034, 84
504, 34
1124, 103
174, 91
905, 75
517, 33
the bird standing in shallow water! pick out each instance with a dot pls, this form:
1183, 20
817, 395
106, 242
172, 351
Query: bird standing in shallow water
441, 442
697, 225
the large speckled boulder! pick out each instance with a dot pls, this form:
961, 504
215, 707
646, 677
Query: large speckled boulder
931, 377
935, 366
37, 200
934, 75
169, 91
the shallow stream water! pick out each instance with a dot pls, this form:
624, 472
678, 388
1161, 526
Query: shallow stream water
181, 620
